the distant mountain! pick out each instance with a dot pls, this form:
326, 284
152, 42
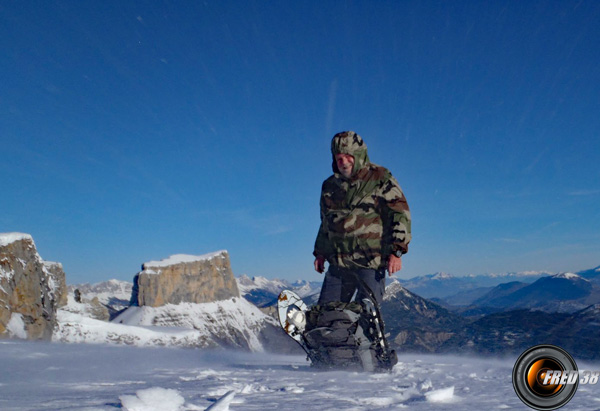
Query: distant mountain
462, 298
263, 292
444, 286
416, 324
592, 274
438, 285
494, 297
566, 292
113, 294
512, 332
419, 325
108, 292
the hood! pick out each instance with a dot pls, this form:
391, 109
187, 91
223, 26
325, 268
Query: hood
348, 142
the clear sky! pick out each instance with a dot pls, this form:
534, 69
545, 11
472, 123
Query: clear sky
131, 131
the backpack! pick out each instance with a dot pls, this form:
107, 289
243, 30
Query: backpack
348, 336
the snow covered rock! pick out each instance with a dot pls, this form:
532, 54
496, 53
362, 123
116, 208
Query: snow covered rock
112, 293
233, 323
107, 299
185, 278
91, 308
30, 289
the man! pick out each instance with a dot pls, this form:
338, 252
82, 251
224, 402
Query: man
365, 224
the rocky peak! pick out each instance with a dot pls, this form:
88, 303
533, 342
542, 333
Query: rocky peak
30, 289
185, 278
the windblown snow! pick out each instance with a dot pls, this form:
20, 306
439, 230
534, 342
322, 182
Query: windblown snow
53, 376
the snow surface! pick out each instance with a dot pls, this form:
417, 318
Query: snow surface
182, 258
9, 238
53, 376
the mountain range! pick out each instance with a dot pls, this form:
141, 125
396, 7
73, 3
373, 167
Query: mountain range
447, 287
504, 315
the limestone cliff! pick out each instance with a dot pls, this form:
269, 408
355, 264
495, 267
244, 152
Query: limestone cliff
30, 290
185, 279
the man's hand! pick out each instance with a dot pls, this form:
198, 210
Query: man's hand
320, 264
394, 264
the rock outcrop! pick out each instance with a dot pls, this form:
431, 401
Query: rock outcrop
185, 279
30, 290
55, 270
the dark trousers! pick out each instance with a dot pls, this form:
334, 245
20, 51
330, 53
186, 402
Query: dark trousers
340, 284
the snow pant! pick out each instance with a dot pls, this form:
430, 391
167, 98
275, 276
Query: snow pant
340, 284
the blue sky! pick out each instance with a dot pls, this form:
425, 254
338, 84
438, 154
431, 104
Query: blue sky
131, 131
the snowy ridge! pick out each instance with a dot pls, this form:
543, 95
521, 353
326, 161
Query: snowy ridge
247, 284
305, 289
78, 328
393, 289
441, 276
569, 276
182, 258
234, 323
9, 238
530, 273
230, 320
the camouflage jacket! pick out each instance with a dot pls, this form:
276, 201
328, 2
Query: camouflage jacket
365, 218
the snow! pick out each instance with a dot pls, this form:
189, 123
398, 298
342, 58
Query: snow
78, 328
16, 326
443, 395
183, 258
153, 399
53, 376
442, 276
9, 238
568, 276
184, 324
246, 284
222, 404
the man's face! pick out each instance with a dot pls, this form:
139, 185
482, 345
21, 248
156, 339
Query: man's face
345, 163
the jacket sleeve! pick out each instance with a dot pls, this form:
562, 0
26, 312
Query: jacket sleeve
323, 246
395, 215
